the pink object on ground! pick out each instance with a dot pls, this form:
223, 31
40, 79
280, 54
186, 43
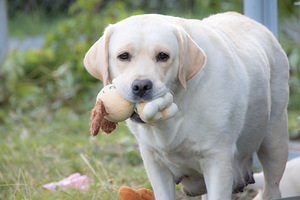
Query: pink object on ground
75, 180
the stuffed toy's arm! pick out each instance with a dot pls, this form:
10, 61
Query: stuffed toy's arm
159, 109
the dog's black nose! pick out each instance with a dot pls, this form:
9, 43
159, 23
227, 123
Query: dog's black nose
141, 86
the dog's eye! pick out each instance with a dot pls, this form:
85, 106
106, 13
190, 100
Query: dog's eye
162, 57
124, 56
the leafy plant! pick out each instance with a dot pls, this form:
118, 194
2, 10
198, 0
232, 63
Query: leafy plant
54, 76
290, 39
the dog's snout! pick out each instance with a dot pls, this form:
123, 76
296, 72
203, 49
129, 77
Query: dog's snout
141, 86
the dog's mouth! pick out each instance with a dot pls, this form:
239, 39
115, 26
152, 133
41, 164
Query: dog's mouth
136, 118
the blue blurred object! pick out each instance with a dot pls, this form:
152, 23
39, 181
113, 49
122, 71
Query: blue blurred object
256, 164
264, 12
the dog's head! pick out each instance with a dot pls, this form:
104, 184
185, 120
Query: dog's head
143, 55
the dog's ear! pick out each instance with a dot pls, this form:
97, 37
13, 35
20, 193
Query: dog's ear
96, 59
192, 57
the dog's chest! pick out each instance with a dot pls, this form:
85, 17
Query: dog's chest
181, 161
175, 151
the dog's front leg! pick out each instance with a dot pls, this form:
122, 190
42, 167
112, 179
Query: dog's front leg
161, 178
218, 175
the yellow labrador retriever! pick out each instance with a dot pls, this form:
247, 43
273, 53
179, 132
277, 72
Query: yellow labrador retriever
229, 77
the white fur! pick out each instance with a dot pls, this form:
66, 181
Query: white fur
289, 184
233, 107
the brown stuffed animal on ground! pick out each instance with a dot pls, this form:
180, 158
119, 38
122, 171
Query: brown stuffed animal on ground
127, 193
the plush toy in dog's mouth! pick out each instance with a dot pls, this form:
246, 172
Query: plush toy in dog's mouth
111, 108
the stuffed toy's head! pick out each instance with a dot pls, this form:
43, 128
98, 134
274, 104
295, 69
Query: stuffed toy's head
117, 108
112, 108
109, 109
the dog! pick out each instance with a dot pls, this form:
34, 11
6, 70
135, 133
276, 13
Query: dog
229, 77
289, 184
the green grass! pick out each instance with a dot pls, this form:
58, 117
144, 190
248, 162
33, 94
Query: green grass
37, 152
49, 147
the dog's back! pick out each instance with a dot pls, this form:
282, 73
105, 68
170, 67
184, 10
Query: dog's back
273, 148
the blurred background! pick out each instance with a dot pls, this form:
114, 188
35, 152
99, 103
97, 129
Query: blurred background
46, 94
